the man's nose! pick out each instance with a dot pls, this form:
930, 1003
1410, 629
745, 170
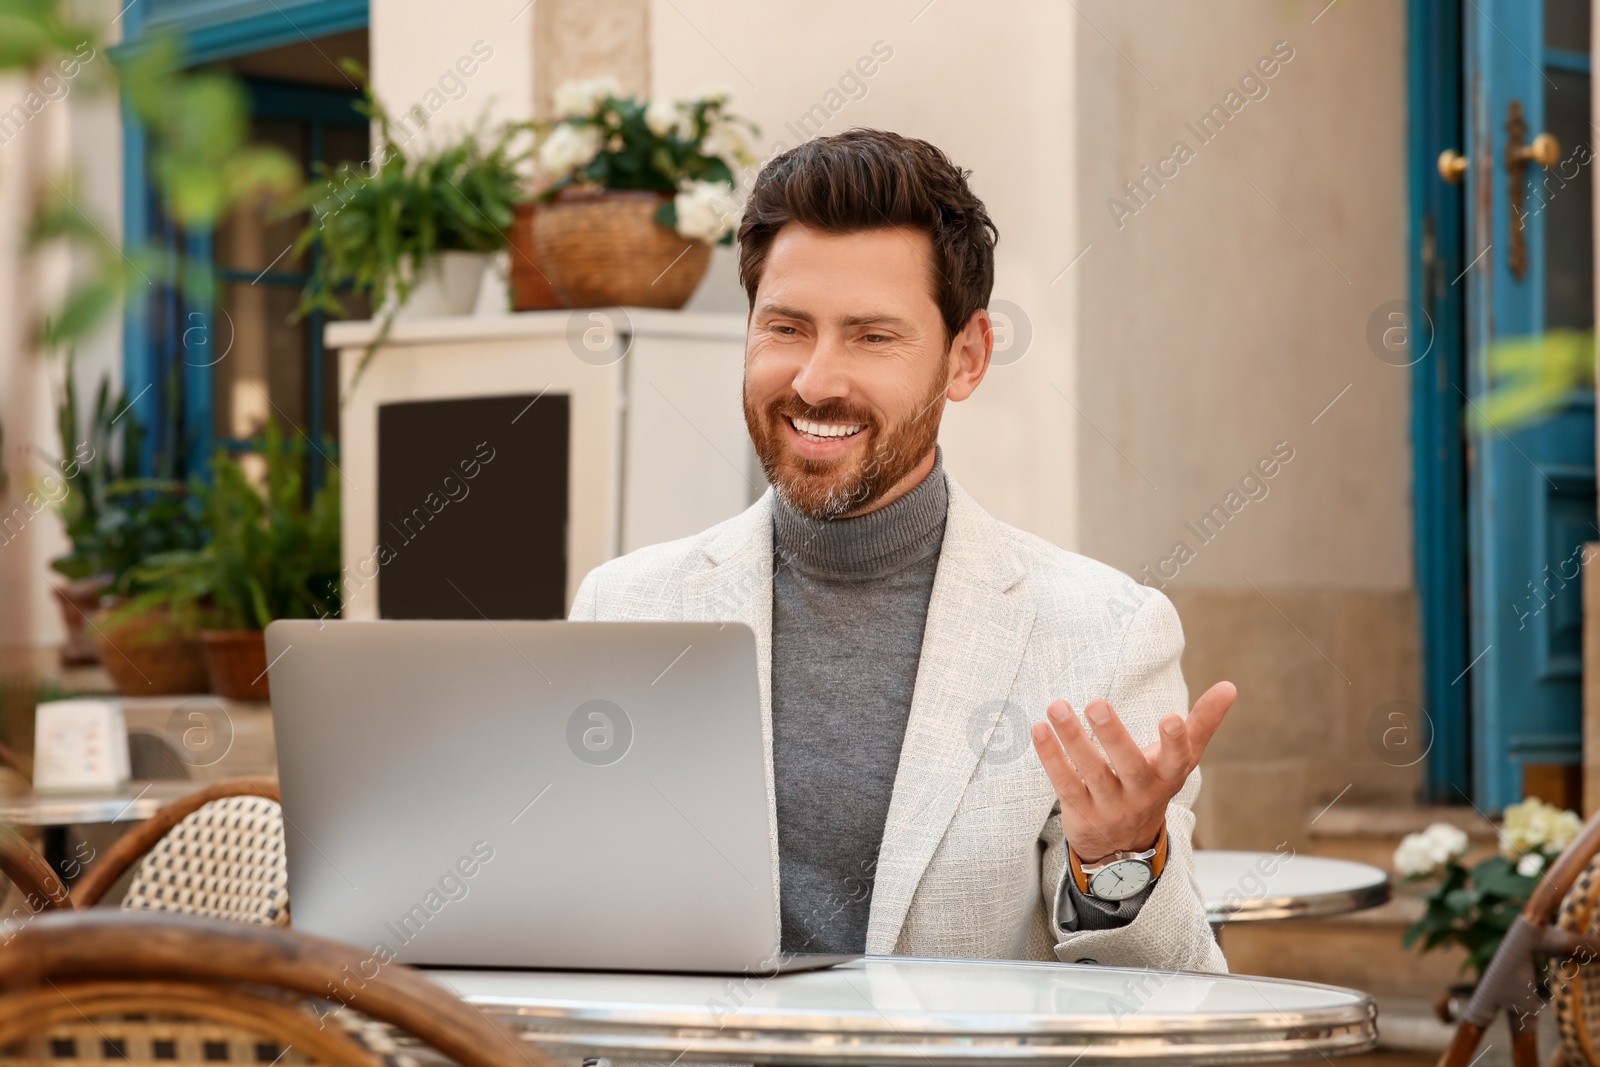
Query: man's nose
825, 373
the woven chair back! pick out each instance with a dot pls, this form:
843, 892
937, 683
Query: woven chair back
224, 861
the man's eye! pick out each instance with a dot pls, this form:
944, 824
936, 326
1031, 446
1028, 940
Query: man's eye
874, 338
785, 330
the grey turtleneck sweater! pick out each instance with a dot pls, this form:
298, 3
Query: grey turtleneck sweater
849, 600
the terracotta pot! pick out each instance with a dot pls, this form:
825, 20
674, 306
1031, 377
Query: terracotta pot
145, 657
79, 600
237, 663
605, 249
530, 288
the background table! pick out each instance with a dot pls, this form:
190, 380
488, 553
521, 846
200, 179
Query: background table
133, 802
1264, 886
904, 1010
53, 813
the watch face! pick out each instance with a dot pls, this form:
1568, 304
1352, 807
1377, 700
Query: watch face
1120, 880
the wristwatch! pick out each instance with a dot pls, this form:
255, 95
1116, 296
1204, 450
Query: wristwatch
1121, 874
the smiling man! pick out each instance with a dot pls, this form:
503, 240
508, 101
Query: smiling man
978, 740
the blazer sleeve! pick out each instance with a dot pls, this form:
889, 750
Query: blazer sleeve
586, 602
1170, 931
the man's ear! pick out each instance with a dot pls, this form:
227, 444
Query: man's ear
969, 355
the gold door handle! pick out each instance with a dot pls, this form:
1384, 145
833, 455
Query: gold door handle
1452, 166
1545, 151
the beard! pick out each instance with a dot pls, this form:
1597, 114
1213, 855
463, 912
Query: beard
831, 488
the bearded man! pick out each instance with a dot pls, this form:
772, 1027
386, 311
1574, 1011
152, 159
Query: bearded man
977, 742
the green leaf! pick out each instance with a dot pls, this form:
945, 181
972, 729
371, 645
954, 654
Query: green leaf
1533, 377
86, 307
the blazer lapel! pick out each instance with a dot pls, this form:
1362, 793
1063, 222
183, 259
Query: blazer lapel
735, 585
977, 627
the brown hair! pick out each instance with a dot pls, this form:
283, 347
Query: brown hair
868, 180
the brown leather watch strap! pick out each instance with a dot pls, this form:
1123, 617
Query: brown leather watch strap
1078, 877
1158, 862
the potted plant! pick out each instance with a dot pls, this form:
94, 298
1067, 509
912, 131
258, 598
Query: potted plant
149, 643
271, 555
637, 193
1473, 907
115, 521
415, 232
86, 468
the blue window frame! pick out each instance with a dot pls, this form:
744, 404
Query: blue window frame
168, 343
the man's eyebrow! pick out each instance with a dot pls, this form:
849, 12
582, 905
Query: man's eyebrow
876, 318
784, 312
872, 318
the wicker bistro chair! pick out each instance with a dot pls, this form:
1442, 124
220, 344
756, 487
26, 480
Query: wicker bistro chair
1561, 921
217, 851
42, 889
84, 986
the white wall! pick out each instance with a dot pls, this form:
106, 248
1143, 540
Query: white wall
991, 85
74, 131
422, 56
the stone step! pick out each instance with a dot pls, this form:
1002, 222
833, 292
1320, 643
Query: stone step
1371, 834
1360, 951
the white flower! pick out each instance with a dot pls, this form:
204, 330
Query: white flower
662, 116
727, 141
581, 99
1530, 865
706, 211
714, 94
1533, 825
1425, 852
569, 148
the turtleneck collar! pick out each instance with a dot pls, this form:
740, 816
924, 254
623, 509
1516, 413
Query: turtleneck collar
874, 545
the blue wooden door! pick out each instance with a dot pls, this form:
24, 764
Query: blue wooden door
1531, 488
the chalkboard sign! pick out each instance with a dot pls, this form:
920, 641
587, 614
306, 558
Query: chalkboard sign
472, 508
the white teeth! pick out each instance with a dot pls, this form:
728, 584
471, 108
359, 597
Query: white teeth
827, 429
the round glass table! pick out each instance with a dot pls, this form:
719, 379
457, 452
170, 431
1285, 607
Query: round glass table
1267, 886
906, 1010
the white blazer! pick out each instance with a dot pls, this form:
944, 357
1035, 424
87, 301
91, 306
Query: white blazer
972, 862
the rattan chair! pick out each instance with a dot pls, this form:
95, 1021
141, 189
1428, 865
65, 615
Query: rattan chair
86, 986
41, 888
217, 851
1561, 921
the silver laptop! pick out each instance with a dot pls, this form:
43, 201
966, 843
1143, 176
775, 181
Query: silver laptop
585, 795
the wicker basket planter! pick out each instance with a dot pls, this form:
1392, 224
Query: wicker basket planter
605, 249
236, 660
143, 661
530, 284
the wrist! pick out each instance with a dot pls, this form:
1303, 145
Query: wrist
1146, 843
1152, 856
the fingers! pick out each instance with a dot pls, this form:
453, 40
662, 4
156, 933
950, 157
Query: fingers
1090, 764
1121, 750
1207, 715
1069, 787
1174, 756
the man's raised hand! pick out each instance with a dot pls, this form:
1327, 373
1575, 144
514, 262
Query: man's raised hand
1117, 802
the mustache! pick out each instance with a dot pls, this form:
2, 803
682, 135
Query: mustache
829, 412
